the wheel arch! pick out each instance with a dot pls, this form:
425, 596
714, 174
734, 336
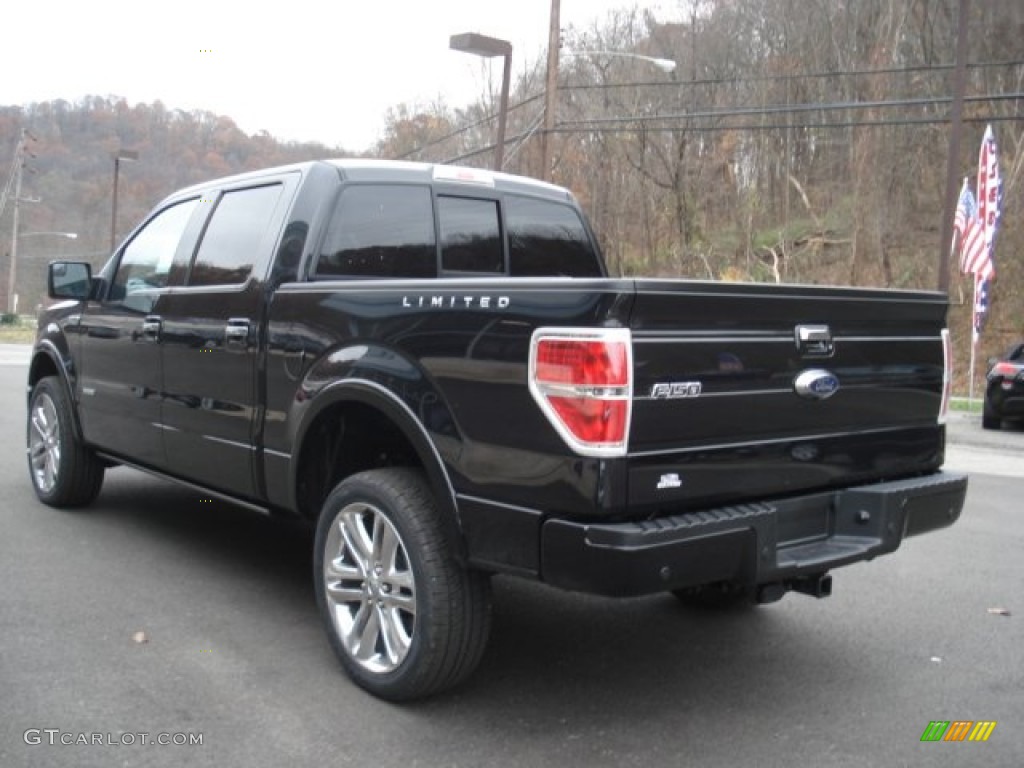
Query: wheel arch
49, 360
341, 401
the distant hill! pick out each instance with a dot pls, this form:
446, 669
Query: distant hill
72, 171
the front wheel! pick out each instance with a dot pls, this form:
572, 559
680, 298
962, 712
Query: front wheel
64, 472
404, 617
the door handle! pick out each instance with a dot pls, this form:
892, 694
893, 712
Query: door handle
237, 331
151, 327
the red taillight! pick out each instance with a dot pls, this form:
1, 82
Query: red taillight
582, 380
582, 363
1003, 369
947, 375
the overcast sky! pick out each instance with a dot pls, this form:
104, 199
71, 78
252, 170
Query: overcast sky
322, 70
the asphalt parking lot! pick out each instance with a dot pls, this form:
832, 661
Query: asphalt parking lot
232, 650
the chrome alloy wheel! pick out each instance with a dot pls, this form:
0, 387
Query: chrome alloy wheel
44, 443
370, 589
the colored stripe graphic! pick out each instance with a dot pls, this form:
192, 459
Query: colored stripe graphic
958, 730
982, 730
935, 730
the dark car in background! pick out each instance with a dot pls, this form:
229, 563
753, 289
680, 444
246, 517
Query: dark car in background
1004, 392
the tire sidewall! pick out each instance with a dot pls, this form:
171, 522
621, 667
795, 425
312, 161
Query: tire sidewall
65, 439
407, 676
989, 418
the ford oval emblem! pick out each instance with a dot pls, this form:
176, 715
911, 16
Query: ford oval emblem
816, 384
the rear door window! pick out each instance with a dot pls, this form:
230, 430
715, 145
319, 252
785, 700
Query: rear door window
380, 230
234, 236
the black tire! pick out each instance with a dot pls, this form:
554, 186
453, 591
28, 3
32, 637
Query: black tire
720, 596
64, 472
989, 419
404, 617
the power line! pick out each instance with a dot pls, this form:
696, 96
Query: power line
718, 81
662, 83
563, 127
465, 128
840, 106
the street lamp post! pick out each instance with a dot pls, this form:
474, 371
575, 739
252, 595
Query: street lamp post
488, 47
122, 154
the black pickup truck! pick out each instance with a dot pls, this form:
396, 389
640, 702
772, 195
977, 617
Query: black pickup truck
431, 364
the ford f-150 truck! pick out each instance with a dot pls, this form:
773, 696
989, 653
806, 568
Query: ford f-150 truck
431, 364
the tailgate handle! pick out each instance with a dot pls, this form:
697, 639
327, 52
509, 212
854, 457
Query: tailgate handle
814, 340
237, 331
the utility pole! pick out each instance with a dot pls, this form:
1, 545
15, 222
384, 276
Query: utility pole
956, 125
550, 91
12, 268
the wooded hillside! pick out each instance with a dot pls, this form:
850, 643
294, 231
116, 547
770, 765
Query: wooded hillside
797, 141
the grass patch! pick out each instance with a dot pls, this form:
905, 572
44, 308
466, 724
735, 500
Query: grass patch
17, 331
965, 405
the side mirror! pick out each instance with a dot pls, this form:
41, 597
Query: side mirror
69, 280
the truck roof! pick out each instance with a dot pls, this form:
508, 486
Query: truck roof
400, 171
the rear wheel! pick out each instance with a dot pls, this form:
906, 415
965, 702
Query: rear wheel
405, 619
64, 472
989, 418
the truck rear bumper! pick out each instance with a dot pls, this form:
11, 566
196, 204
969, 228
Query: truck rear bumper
749, 544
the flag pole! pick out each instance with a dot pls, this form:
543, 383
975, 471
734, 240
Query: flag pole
974, 343
952, 240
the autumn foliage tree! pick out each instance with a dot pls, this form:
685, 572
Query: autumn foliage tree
70, 171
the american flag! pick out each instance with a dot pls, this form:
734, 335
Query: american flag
981, 300
990, 198
990, 193
969, 228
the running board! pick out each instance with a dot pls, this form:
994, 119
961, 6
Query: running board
264, 510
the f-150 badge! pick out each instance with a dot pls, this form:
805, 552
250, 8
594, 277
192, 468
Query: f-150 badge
674, 390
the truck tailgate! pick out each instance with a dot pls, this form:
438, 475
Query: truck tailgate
745, 390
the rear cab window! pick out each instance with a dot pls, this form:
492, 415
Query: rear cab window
396, 230
546, 239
